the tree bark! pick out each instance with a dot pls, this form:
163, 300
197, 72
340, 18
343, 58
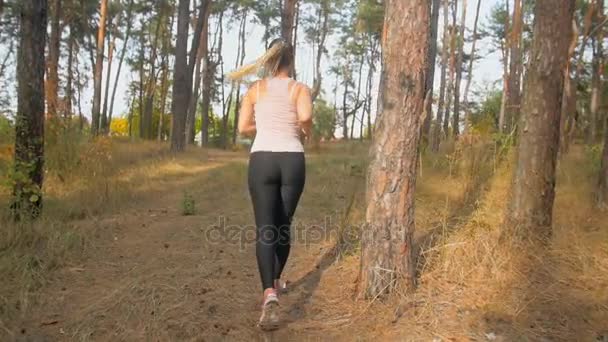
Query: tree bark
151, 84
387, 260
69, 88
202, 51
181, 88
450, 89
29, 121
505, 75
184, 68
602, 188
597, 73
105, 124
54, 51
513, 101
456, 115
325, 11
534, 180
470, 71
237, 105
430, 80
101, 35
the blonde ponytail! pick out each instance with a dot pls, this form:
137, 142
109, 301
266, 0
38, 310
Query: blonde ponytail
268, 61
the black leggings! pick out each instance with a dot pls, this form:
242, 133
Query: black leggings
276, 181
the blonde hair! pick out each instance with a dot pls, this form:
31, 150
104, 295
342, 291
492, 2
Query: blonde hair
277, 56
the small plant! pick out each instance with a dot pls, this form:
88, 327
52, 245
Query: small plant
188, 204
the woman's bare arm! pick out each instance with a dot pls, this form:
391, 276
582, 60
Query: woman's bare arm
304, 109
246, 123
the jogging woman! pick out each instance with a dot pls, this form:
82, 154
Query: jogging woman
278, 111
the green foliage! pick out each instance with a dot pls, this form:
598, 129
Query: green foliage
188, 204
594, 158
324, 122
7, 131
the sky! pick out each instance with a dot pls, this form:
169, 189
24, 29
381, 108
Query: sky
486, 71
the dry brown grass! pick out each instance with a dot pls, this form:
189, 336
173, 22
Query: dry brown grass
471, 286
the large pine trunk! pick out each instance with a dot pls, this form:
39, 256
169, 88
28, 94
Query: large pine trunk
430, 80
387, 260
53, 65
181, 88
513, 101
534, 180
98, 72
29, 121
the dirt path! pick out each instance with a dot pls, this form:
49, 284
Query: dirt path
153, 274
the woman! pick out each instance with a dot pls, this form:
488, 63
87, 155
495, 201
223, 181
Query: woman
278, 111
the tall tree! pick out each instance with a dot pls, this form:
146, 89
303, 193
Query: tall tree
53, 65
459, 61
288, 18
430, 80
29, 123
534, 180
387, 260
181, 88
513, 101
111, 40
184, 67
452, 73
597, 71
98, 75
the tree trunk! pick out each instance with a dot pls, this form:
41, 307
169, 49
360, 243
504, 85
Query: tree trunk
505, 75
456, 115
54, 51
442, 85
345, 110
534, 180
184, 68
568, 105
151, 84
597, 73
163, 99
316, 88
450, 88
29, 121
470, 71
202, 51
105, 124
602, 188
69, 88
101, 38
123, 52
181, 88
387, 253
288, 14
513, 104
430, 80
237, 106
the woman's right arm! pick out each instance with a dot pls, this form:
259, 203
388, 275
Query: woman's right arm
246, 124
304, 109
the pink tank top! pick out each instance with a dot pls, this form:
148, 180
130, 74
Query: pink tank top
276, 119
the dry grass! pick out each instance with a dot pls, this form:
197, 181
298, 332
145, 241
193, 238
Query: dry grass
472, 286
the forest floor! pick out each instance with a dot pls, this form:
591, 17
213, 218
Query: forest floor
115, 258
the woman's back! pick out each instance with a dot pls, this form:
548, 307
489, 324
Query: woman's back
276, 117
